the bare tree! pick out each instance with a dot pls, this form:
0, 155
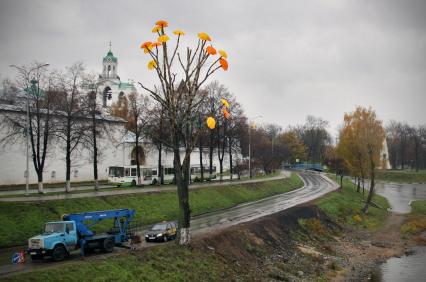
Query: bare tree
96, 126
237, 127
72, 125
315, 136
137, 122
36, 119
157, 130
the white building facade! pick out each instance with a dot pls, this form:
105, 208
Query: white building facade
116, 147
13, 156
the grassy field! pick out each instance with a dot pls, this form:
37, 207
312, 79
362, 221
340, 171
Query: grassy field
418, 207
23, 220
162, 263
345, 207
416, 221
49, 185
401, 176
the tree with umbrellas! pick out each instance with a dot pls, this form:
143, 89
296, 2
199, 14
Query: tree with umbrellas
181, 72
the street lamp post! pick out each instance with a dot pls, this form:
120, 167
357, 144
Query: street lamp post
27, 127
249, 147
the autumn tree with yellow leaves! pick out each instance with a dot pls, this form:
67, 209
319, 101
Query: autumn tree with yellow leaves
181, 72
360, 142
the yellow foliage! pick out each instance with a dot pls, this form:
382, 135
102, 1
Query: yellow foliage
204, 36
360, 141
223, 54
357, 218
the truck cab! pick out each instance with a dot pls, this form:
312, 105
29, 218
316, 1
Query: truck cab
56, 241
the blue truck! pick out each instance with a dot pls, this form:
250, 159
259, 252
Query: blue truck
74, 232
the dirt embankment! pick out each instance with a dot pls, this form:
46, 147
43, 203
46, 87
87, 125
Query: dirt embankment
302, 244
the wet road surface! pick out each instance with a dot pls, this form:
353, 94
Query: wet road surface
316, 185
138, 190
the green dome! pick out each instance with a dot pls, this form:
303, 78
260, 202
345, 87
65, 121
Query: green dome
110, 55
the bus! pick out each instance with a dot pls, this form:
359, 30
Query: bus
196, 173
127, 175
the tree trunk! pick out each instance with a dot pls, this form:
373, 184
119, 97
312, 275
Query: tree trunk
138, 169
182, 182
211, 155
40, 182
68, 165
358, 187
95, 153
363, 185
230, 160
341, 183
200, 148
160, 167
221, 168
371, 192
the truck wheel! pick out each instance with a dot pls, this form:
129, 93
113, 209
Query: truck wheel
133, 182
108, 246
59, 253
36, 257
154, 182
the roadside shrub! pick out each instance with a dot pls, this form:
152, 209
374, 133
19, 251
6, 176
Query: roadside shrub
414, 226
357, 218
314, 225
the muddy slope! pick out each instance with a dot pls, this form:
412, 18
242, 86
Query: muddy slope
303, 244
293, 245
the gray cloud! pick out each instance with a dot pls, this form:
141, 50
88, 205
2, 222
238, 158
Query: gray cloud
287, 59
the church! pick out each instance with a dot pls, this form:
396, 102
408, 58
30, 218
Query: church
116, 148
110, 83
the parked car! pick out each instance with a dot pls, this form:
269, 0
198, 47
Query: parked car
162, 232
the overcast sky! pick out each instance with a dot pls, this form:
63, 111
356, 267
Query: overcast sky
287, 59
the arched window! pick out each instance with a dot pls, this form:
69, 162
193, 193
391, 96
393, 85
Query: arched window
106, 95
141, 156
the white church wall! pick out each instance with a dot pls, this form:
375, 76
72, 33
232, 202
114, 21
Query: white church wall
13, 160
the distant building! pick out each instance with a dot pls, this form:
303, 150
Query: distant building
384, 156
109, 83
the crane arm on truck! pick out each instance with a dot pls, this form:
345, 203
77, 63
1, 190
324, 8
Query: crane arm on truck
85, 220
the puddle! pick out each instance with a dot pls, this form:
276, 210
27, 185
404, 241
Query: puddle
406, 268
400, 195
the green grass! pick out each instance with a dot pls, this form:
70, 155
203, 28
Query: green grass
416, 220
162, 263
345, 207
19, 221
418, 207
401, 176
116, 188
49, 185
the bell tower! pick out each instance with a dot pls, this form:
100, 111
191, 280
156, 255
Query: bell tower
109, 64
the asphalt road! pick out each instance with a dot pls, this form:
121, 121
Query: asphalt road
316, 185
137, 190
